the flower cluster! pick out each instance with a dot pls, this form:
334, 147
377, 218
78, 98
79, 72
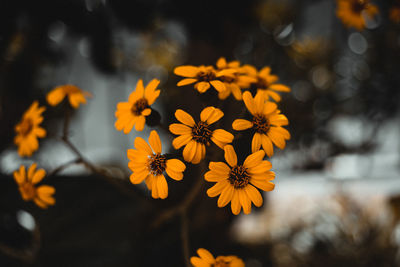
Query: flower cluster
231, 78
355, 13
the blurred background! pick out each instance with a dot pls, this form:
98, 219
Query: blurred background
337, 195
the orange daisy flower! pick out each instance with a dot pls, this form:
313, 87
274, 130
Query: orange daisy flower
394, 13
266, 82
234, 78
148, 164
237, 183
76, 96
134, 112
206, 259
195, 136
28, 130
353, 13
203, 76
41, 195
267, 123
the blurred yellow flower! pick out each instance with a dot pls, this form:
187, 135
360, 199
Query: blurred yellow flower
195, 136
41, 195
354, 12
394, 13
75, 95
148, 164
203, 76
266, 82
237, 183
267, 123
206, 259
133, 112
28, 130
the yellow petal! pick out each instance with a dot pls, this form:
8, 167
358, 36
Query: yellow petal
38, 176
197, 262
221, 63
220, 168
55, 96
202, 87
256, 142
241, 124
155, 142
217, 188
140, 121
259, 103
278, 120
244, 201
282, 131
264, 72
31, 171
175, 165
140, 144
222, 136
76, 99
262, 167
186, 71
269, 107
218, 85
279, 87
186, 81
211, 115
200, 153
182, 140
178, 128
146, 112
254, 195
226, 196
267, 145
184, 117
235, 203
263, 185
174, 175
230, 155
249, 102
162, 186
276, 138
212, 176
46, 190
138, 177
254, 159
190, 151
206, 255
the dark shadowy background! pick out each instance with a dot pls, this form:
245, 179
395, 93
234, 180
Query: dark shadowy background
337, 197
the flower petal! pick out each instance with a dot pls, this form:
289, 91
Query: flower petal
218, 85
276, 138
222, 136
267, 145
249, 102
254, 159
241, 124
206, 255
235, 203
244, 201
162, 186
202, 87
220, 168
140, 144
256, 142
38, 176
182, 140
217, 188
226, 196
186, 81
279, 87
211, 115
184, 117
155, 142
190, 151
179, 128
186, 71
175, 165
263, 185
230, 155
254, 195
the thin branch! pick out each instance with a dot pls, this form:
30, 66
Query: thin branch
64, 166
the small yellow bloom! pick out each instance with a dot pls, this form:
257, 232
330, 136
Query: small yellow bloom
267, 123
203, 76
354, 12
237, 183
266, 82
28, 130
206, 259
234, 78
135, 111
195, 136
148, 164
75, 95
41, 195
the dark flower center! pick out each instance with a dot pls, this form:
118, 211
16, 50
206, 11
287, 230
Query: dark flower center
359, 5
261, 124
157, 164
139, 106
228, 79
238, 177
220, 263
29, 191
26, 127
261, 83
206, 76
201, 132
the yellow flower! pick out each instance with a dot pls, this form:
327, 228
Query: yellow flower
237, 183
133, 112
206, 259
354, 12
28, 130
266, 123
148, 164
266, 82
234, 78
394, 13
41, 195
75, 95
202, 76
195, 136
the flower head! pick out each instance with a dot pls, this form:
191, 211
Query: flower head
353, 13
76, 96
148, 164
28, 130
134, 112
266, 82
234, 78
206, 259
394, 13
41, 195
203, 76
195, 136
267, 123
237, 183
